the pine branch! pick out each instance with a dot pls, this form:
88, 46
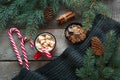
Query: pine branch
99, 8
30, 30
116, 75
88, 19
115, 59
3, 2
21, 19
55, 5
88, 70
107, 73
33, 22
20, 12
106, 66
42, 4
109, 46
88, 9
9, 12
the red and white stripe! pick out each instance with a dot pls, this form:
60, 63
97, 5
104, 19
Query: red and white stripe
24, 52
13, 43
47, 53
23, 39
31, 43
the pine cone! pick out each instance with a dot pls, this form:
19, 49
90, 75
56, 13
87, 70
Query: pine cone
48, 14
97, 46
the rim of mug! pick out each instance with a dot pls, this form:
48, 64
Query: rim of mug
76, 23
45, 33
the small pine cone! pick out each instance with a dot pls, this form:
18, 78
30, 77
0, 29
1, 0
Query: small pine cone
97, 46
48, 14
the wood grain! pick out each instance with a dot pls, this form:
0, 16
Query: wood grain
9, 66
7, 53
9, 69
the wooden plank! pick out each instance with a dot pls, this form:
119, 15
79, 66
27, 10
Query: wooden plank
7, 53
8, 70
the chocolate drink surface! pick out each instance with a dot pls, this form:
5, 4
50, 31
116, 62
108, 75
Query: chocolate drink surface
45, 41
74, 33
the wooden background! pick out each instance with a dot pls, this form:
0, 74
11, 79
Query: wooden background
9, 66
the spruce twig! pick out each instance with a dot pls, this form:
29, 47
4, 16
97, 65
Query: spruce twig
106, 66
88, 17
18, 12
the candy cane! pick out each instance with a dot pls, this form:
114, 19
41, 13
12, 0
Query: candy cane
22, 46
31, 43
13, 43
46, 52
24, 50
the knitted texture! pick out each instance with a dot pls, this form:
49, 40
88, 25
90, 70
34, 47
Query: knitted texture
63, 67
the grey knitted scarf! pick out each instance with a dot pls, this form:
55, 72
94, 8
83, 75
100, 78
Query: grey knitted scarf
63, 67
